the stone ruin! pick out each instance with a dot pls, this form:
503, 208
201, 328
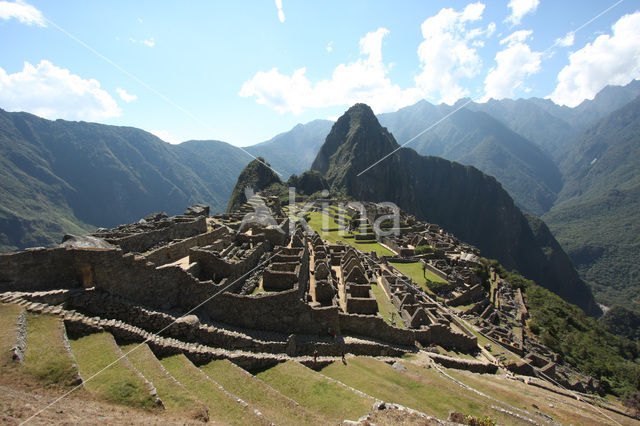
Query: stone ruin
250, 286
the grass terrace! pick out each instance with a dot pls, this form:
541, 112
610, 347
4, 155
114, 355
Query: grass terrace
415, 272
315, 392
119, 383
333, 235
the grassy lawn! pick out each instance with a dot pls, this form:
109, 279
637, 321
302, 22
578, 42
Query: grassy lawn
385, 307
175, 397
275, 406
416, 387
47, 359
330, 400
8, 322
414, 271
565, 410
118, 383
222, 408
316, 223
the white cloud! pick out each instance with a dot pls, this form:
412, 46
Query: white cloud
611, 59
330, 46
150, 42
280, 12
513, 65
491, 28
446, 54
52, 92
516, 37
165, 136
519, 8
21, 11
364, 80
127, 97
566, 41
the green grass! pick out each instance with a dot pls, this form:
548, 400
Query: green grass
414, 271
278, 408
565, 410
416, 387
316, 223
385, 307
222, 408
118, 383
8, 321
175, 397
47, 359
330, 400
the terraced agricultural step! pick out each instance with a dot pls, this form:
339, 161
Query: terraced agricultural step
223, 407
315, 392
115, 379
412, 386
12, 342
175, 397
278, 408
48, 357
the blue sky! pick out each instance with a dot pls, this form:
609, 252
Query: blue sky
242, 72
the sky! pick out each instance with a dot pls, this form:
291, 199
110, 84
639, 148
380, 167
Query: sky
242, 72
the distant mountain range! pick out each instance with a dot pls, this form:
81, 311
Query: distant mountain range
60, 176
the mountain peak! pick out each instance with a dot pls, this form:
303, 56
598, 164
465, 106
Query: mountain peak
355, 141
257, 175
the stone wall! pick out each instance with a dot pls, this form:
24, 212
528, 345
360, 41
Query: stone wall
283, 312
216, 267
39, 269
175, 251
179, 228
375, 327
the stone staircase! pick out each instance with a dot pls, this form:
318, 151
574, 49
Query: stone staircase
125, 364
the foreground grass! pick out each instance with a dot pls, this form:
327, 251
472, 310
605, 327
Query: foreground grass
330, 400
47, 359
175, 397
118, 383
222, 407
277, 407
564, 410
416, 387
8, 322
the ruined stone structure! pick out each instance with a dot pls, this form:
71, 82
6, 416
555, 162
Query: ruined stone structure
257, 290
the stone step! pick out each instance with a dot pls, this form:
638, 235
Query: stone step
223, 406
48, 358
320, 395
13, 323
109, 375
277, 407
175, 397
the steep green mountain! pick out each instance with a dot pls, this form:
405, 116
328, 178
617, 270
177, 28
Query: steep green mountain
292, 152
460, 198
69, 177
525, 117
596, 217
622, 321
257, 175
477, 139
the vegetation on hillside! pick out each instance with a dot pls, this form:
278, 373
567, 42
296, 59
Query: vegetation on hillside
597, 214
257, 175
581, 340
